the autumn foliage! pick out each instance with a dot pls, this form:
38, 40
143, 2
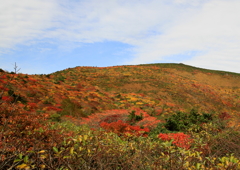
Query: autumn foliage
179, 139
123, 117
120, 127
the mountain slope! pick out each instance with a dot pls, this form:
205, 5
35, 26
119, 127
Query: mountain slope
156, 111
183, 86
150, 87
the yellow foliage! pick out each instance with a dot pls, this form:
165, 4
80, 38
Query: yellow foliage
23, 166
42, 151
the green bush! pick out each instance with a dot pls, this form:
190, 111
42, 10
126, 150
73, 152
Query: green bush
159, 129
71, 108
182, 121
17, 97
55, 117
132, 117
59, 79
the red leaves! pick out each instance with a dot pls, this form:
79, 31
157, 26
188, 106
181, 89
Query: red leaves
196, 85
3, 77
224, 116
3, 88
150, 122
26, 131
32, 80
32, 105
120, 127
53, 108
112, 118
108, 115
179, 139
7, 98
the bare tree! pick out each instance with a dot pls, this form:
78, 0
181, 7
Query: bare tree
16, 70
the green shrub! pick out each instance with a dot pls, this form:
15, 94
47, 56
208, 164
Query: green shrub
159, 129
182, 121
132, 117
59, 79
72, 108
55, 117
17, 97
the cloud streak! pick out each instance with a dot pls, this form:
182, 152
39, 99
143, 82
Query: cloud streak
24, 21
212, 30
206, 31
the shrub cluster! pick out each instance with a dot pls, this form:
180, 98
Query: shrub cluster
98, 149
132, 117
182, 121
121, 128
179, 139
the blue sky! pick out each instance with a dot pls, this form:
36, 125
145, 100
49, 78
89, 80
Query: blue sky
44, 36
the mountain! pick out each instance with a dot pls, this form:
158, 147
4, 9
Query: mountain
183, 86
151, 87
134, 96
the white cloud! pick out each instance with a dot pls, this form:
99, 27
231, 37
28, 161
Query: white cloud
213, 30
156, 29
24, 20
114, 20
81, 21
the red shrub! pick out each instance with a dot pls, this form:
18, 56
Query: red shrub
112, 118
32, 106
224, 116
26, 132
53, 108
120, 127
7, 98
179, 139
2, 88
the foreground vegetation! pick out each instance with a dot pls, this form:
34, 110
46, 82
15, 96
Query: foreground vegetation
64, 121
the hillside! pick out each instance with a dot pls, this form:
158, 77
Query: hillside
180, 85
145, 96
166, 87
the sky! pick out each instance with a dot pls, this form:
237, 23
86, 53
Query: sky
45, 36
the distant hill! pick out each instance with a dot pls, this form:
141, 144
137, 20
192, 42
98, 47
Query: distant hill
154, 86
183, 86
